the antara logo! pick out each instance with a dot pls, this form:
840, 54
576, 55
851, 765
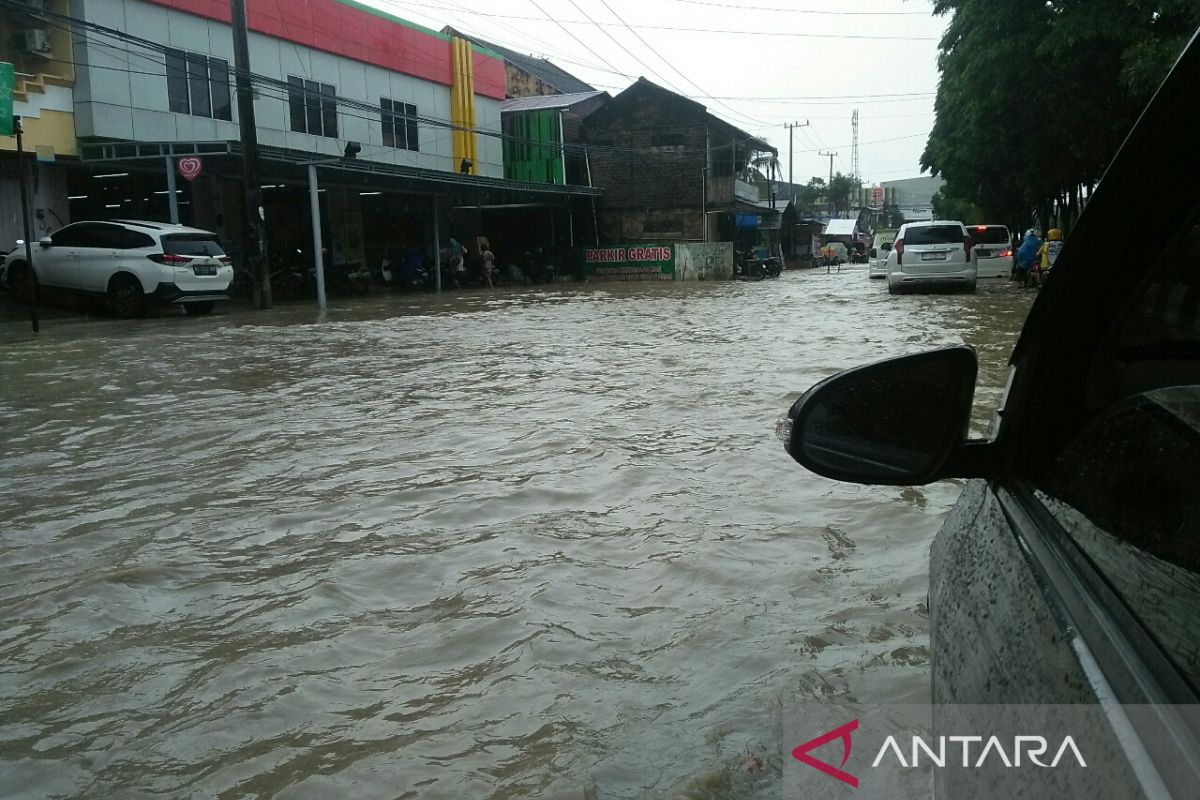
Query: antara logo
1029, 748
843, 733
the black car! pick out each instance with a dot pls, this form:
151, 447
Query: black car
1068, 571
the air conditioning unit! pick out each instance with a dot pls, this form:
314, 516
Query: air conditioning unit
33, 42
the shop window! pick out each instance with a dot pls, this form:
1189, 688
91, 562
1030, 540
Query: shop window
313, 107
198, 85
399, 124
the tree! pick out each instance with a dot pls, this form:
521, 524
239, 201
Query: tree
812, 192
1036, 96
840, 190
956, 208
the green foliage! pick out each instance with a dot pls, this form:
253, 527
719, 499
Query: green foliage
840, 190
812, 192
956, 208
1036, 96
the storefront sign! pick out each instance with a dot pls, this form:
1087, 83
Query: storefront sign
6, 99
644, 262
189, 167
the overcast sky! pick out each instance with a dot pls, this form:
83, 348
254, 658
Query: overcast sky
769, 61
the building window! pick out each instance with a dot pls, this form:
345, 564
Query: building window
399, 124
313, 107
198, 85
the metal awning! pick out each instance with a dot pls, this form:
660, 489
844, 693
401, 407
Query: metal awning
841, 227
410, 177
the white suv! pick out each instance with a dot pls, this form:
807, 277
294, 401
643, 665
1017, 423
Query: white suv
130, 263
932, 254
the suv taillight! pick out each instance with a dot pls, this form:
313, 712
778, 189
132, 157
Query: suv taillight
169, 259
968, 243
898, 246
226, 260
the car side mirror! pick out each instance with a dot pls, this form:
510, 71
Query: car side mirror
896, 422
46, 241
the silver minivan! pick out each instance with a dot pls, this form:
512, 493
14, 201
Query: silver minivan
934, 254
993, 250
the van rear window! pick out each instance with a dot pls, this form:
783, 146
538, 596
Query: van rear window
933, 234
990, 234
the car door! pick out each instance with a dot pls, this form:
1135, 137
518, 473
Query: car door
95, 258
54, 264
1069, 571
1073, 575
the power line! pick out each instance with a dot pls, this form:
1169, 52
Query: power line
740, 7
280, 90
576, 38
619, 18
798, 35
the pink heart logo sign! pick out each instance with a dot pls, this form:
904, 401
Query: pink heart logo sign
189, 167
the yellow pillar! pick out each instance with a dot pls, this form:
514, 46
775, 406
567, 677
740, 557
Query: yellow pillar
462, 104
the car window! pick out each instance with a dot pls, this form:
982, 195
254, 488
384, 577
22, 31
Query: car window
192, 244
1128, 487
1168, 314
933, 234
82, 235
93, 234
135, 240
989, 234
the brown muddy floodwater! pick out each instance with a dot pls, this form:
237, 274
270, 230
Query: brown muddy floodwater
499, 545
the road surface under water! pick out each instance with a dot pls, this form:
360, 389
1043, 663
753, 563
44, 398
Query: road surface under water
491, 546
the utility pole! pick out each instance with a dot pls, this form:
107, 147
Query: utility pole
791, 126
254, 240
831, 154
854, 147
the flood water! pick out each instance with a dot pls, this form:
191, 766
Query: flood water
495, 546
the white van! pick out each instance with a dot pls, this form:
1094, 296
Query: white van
881, 246
932, 254
993, 250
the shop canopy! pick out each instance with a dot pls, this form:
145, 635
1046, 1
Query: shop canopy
841, 227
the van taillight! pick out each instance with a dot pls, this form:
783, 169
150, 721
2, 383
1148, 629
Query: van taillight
967, 245
898, 246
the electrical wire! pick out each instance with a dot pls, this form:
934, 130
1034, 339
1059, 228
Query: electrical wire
790, 34
806, 10
277, 89
620, 19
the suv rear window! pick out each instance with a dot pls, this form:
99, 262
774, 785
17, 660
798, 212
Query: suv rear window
183, 244
933, 234
989, 234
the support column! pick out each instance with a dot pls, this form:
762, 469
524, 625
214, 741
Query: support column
171, 196
314, 202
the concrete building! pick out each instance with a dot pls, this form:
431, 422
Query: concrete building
44, 70
403, 121
913, 196
526, 75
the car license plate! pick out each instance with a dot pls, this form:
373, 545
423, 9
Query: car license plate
933, 256
983, 253
205, 269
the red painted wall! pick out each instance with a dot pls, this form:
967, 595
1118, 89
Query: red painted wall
350, 32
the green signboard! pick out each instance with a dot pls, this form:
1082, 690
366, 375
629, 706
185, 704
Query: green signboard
630, 262
6, 101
